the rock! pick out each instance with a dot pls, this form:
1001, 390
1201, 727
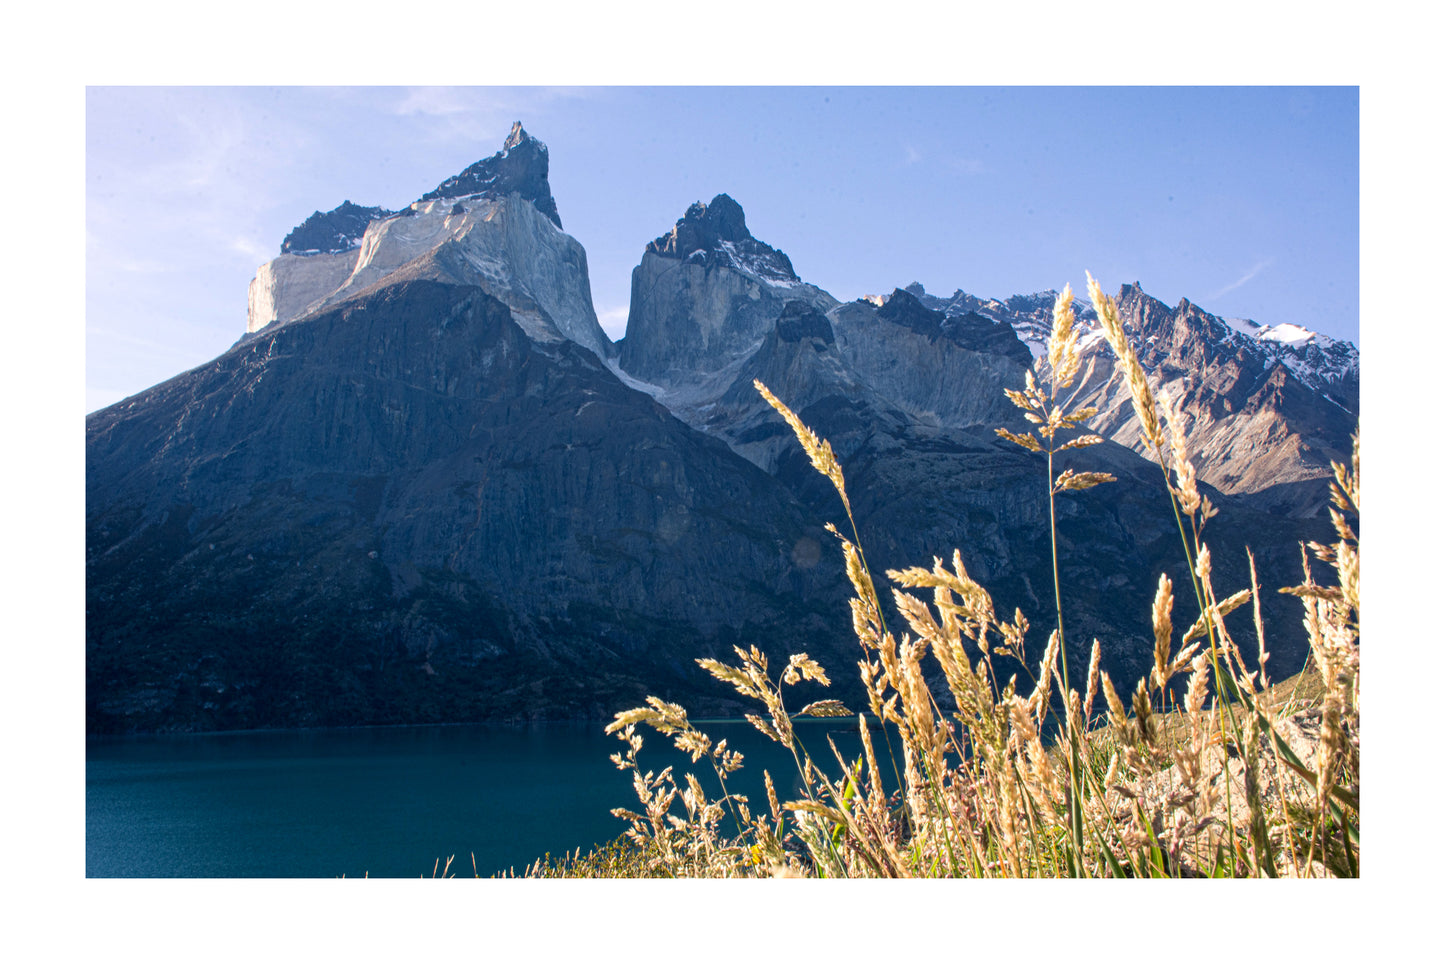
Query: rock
501, 244
705, 296
339, 229
939, 374
520, 167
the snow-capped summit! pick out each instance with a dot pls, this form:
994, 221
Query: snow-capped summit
1268, 407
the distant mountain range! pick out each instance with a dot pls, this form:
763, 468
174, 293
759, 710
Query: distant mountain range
425, 486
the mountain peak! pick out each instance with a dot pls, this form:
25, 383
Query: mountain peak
717, 233
520, 167
339, 229
704, 227
904, 308
518, 136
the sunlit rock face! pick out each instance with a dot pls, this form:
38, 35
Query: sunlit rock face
494, 226
705, 296
942, 370
1266, 409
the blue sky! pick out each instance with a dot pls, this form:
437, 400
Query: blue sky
1244, 200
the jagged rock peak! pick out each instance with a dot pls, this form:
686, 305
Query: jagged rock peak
520, 167
339, 229
717, 233
902, 308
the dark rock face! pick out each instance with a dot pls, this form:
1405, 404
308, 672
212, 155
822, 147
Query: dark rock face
404, 510
801, 320
968, 330
718, 234
339, 229
520, 167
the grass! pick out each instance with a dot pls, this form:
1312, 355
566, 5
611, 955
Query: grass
1241, 779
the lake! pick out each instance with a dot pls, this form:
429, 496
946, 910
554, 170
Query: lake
385, 802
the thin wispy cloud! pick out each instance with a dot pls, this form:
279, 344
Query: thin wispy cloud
438, 101
911, 155
1248, 276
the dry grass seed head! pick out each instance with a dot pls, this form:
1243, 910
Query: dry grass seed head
820, 453
1071, 481
1118, 715
1185, 485
1144, 718
1092, 687
1026, 440
1048, 669
1064, 341
1143, 397
1163, 629
799, 665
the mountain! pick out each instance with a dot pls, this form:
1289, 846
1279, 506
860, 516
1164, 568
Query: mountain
706, 292
339, 229
409, 509
909, 397
519, 168
494, 226
1267, 408
425, 487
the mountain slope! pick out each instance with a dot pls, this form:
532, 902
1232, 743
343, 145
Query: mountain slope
407, 510
1267, 409
909, 399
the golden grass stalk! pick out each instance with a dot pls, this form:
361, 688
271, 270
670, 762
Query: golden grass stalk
1139, 391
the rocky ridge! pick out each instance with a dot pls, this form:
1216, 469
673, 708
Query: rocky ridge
520, 168
1268, 408
705, 296
339, 229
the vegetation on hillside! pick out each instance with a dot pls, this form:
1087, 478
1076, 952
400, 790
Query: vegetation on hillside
1201, 769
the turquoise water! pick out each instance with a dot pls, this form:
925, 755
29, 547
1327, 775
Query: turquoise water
380, 802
